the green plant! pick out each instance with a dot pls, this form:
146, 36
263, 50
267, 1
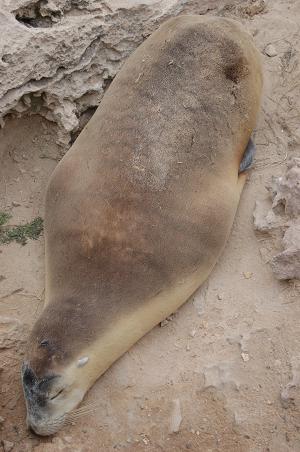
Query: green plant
20, 233
4, 217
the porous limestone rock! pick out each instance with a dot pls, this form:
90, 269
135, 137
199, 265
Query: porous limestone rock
58, 56
283, 215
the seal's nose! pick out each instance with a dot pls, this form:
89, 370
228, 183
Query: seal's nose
28, 377
29, 380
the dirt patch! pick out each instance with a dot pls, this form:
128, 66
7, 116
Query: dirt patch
230, 356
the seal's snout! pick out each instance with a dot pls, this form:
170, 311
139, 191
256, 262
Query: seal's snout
39, 396
50, 395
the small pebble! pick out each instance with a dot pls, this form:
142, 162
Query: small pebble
12, 404
247, 275
219, 297
15, 204
2, 420
270, 50
193, 333
245, 357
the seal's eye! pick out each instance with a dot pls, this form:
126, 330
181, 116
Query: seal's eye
44, 343
57, 394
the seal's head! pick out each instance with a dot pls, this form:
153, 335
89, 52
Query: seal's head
55, 378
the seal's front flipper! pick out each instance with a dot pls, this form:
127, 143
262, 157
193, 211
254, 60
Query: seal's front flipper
248, 156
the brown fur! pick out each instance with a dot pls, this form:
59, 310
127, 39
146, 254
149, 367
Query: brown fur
148, 192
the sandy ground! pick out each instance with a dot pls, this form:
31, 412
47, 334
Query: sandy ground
226, 356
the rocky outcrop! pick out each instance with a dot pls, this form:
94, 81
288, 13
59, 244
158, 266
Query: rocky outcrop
57, 57
283, 217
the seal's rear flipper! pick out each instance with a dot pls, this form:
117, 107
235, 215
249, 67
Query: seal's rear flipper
248, 156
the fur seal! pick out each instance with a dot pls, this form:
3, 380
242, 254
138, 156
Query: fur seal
139, 209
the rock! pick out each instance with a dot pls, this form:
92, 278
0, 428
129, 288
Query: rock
285, 190
265, 219
270, 50
245, 357
289, 395
15, 204
7, 446
57, 57
2, 420
219, 376
280, 216
241, 340
11, 405
286, 265
200, 298
286, 398
176, 417
245, 9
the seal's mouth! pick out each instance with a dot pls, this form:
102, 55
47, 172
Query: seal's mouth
45, 426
